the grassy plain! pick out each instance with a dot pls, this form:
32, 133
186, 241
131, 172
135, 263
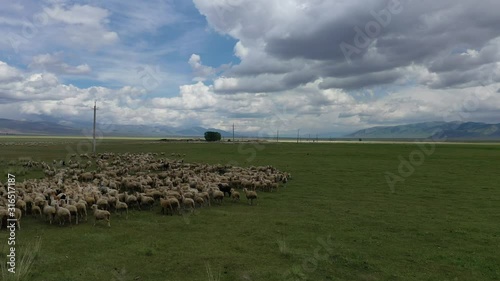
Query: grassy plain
337, 219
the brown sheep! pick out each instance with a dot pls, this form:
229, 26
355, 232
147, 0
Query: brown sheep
171, 204
235, 195
251, 195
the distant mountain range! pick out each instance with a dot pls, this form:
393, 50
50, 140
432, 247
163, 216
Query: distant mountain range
452, 130
16, 127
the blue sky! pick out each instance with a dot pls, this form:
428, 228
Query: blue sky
320, 65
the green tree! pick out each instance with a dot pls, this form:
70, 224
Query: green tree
212, 136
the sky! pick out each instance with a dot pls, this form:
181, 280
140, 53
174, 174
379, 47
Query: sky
321, 66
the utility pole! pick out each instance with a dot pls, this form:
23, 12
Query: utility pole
298, 134
233, 132
93, 140
277, 135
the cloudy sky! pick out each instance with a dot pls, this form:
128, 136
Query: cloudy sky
320, 66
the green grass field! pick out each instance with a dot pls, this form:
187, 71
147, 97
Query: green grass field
337, 219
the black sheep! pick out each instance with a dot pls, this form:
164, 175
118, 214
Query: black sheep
224, 187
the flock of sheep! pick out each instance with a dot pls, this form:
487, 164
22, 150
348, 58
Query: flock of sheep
121, 182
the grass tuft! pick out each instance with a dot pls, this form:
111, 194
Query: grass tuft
148, 252
283, 247
24, 262
210, 275
120, 275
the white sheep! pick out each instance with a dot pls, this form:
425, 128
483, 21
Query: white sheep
121, 207
72, 209
101, 215
49, 212
111, 202
131, 200
63, 215
206, 196
102, 203
21, 205
146, 200
81, 206
217, 195
188, 203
